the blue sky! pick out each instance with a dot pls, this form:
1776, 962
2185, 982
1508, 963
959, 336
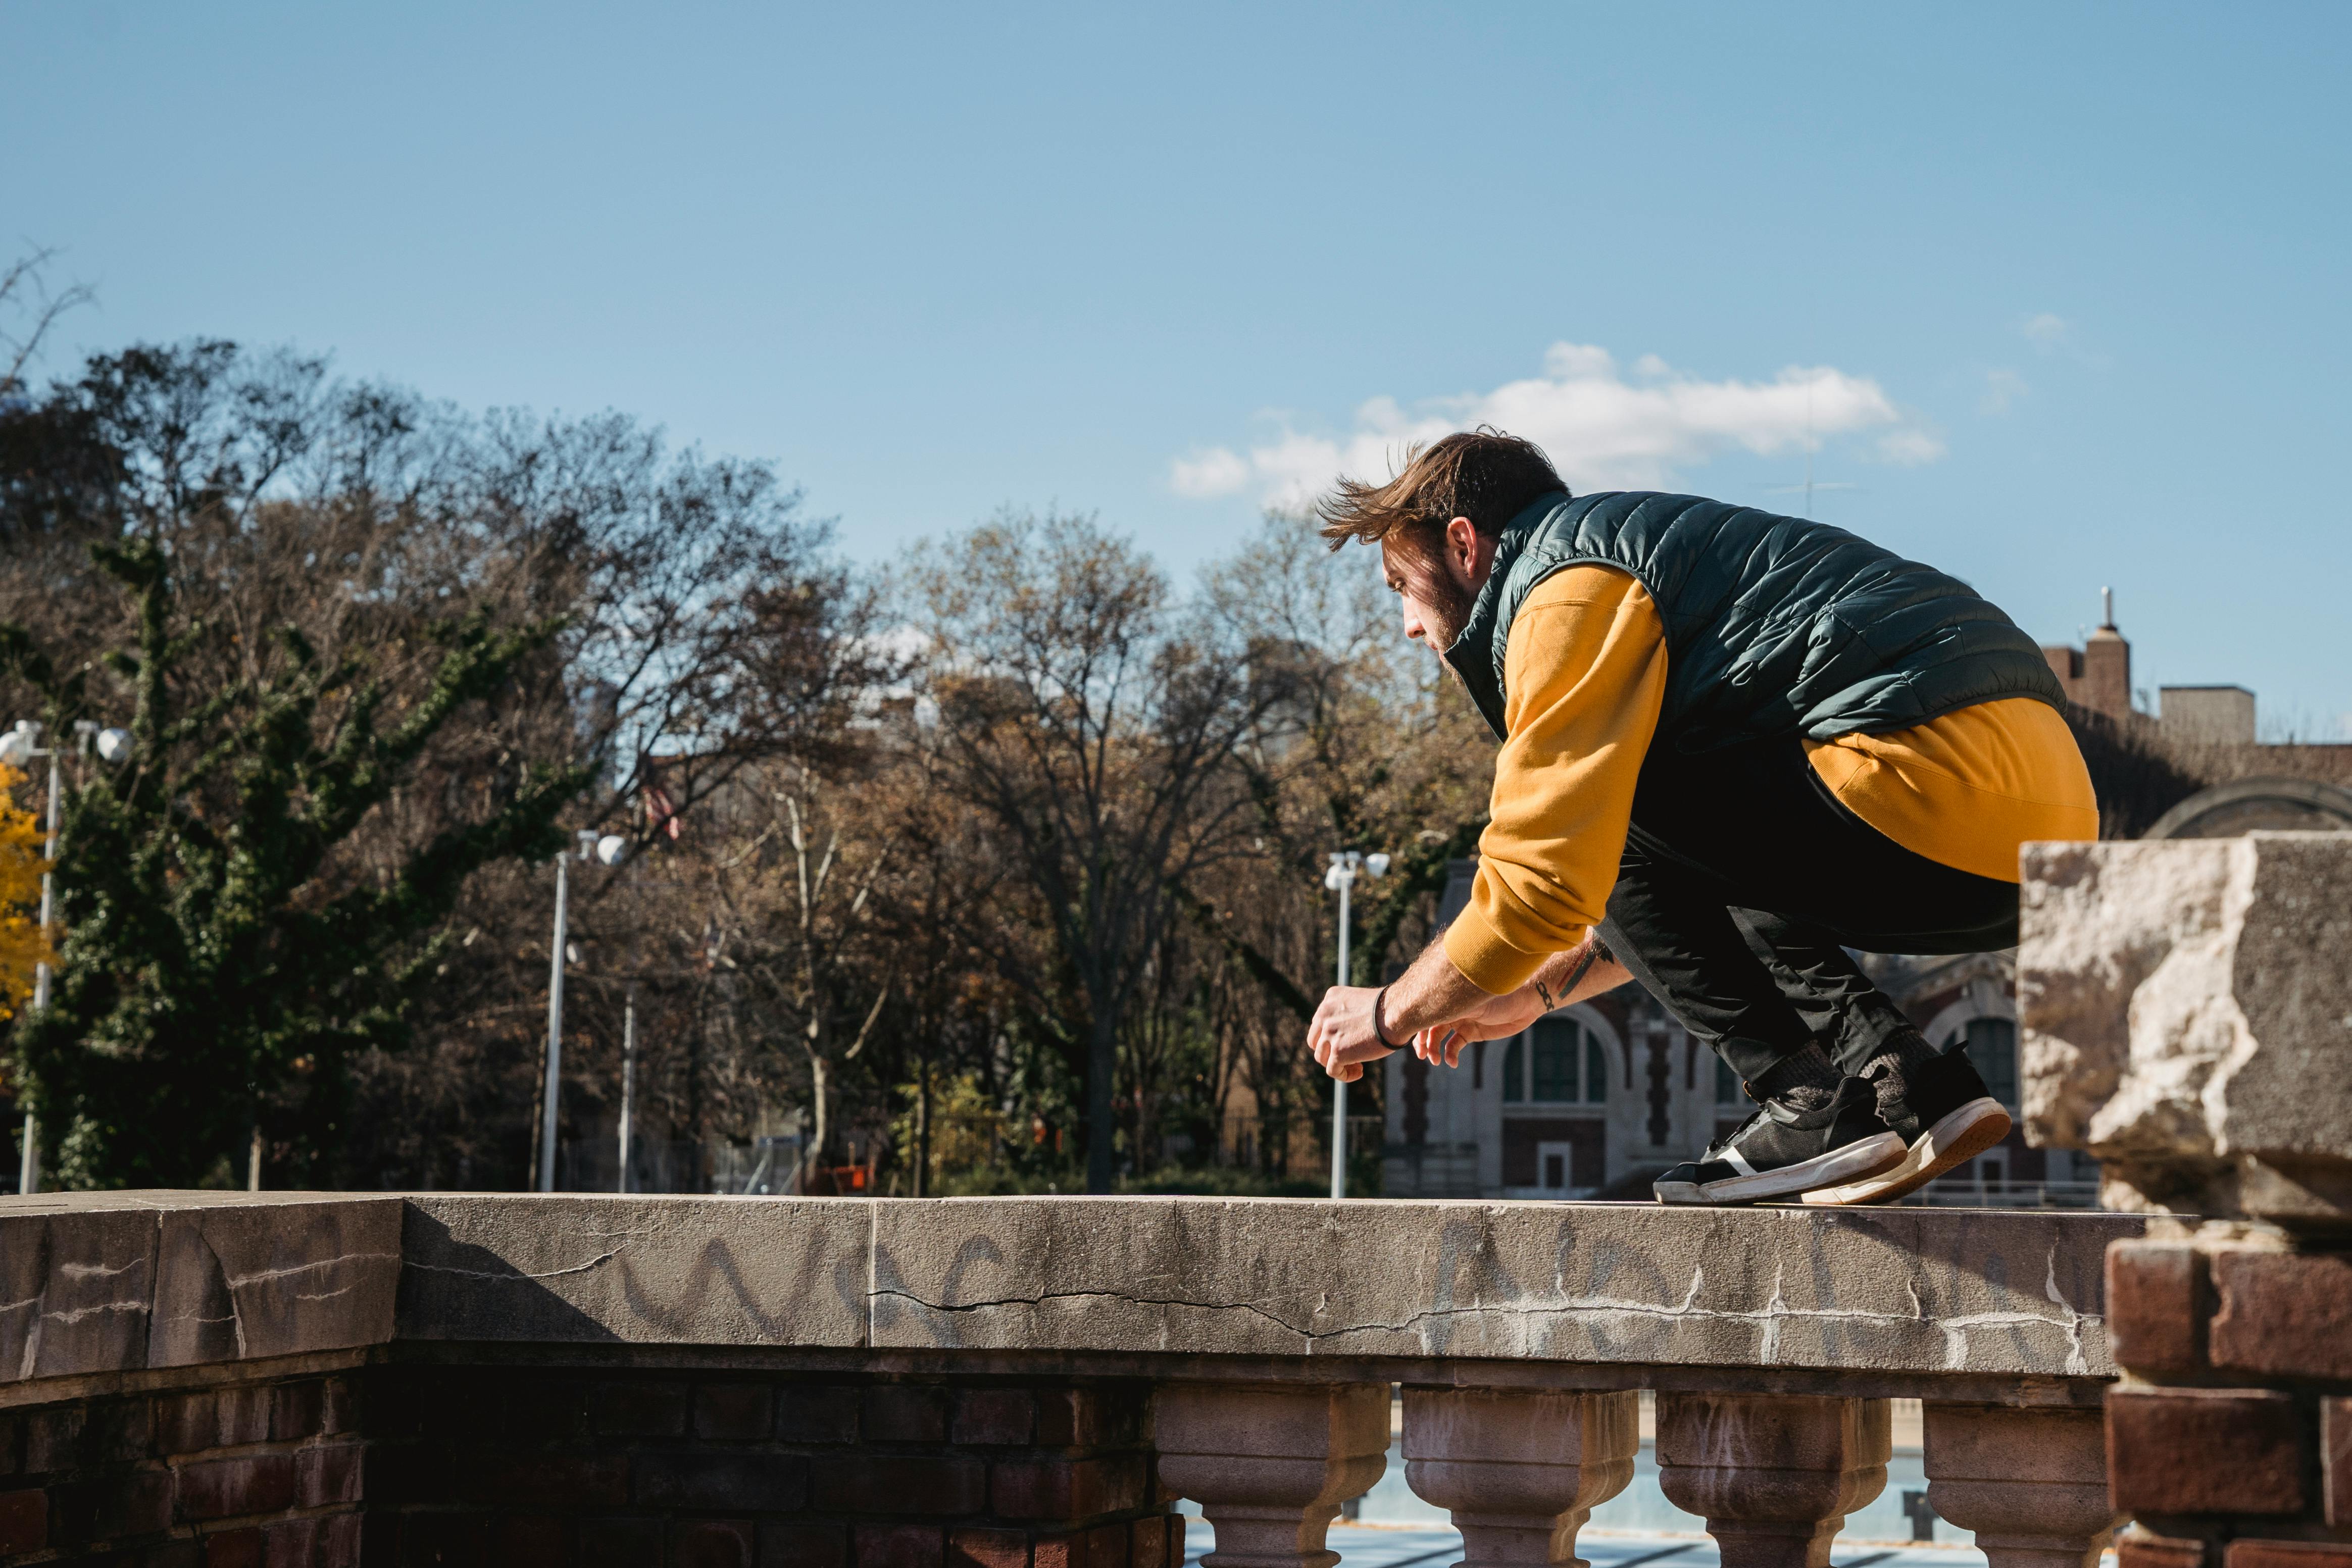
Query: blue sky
2060, 291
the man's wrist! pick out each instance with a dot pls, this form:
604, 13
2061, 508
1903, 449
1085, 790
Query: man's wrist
1378, 1032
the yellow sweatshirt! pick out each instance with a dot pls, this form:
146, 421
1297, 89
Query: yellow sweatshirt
1584, 674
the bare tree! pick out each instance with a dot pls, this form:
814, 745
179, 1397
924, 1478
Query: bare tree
795, 925
29, 308
1093, 727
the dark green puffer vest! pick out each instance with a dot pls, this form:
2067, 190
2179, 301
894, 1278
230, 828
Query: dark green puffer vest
1774, 625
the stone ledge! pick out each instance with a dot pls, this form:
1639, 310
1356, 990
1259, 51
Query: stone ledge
1962, 1305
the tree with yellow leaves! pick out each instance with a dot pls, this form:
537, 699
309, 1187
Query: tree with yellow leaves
21, 865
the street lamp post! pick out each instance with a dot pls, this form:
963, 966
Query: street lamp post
611, 850
629, 1075
1341, 876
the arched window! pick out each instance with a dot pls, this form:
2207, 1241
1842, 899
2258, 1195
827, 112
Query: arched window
1555, 1042
1991, 1045
1563, 1060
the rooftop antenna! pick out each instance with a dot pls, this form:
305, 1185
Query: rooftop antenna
1808, 487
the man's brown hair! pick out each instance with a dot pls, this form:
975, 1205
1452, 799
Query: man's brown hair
1482, 475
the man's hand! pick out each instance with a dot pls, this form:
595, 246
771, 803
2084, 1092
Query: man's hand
1341, 1035
1440, 1045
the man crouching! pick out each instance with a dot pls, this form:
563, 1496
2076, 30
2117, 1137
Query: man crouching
1733, 747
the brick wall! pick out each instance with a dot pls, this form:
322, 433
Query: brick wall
2232, 1443
520, 1466
259, 1474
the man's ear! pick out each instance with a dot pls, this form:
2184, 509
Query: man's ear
1467, 555
1461, 545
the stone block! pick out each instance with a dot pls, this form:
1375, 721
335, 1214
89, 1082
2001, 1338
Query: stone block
274, 1274
2158, 1302
2178, 1025
1918, 1289
77, 1287
2288, 1315
576, 1269
2249, 1554
2174, 1451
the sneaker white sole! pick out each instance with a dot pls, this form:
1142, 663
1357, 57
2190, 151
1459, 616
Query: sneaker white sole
1957, 1138
1864, 1157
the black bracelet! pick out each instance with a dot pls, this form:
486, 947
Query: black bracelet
1376, 1033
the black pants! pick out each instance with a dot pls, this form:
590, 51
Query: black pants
1745, 882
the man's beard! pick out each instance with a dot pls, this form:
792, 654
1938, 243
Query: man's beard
1449, 605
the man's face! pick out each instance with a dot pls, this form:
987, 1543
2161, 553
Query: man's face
1437, 592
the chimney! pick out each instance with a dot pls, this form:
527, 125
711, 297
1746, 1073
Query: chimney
2105, 685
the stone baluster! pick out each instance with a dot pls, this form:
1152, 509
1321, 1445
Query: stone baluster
1270, 1466
1520, 1469
1773, 1475
2032, 1484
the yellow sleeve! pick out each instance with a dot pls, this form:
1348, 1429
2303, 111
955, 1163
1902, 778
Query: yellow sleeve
1584, 676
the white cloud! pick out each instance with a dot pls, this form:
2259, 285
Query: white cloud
1215, 472
2002, 389
1601, 430
2047, 331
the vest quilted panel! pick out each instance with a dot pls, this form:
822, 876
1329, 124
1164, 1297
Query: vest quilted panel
1774, 625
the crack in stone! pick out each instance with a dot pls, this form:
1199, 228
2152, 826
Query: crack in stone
596, 1262
76, 1315
266, 1275
1768, 1318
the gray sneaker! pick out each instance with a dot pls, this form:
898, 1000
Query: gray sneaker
1782, 1152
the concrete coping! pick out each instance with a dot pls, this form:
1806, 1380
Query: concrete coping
1985, 1306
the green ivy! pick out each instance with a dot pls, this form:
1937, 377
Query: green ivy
215, 973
